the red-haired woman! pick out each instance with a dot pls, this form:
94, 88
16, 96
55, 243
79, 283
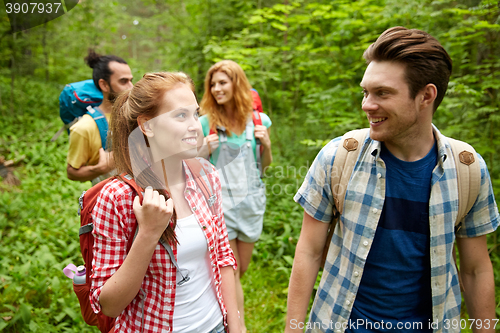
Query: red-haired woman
232, 141
155, 129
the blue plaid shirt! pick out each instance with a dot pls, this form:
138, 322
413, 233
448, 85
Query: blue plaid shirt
354, 234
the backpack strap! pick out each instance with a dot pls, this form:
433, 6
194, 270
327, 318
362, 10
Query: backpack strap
137, 189
200, 176
101, 122
221, 132
259, 148
345, 160
257, 102
469, 183
468, 177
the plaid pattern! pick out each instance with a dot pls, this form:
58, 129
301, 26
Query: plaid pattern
362, 209
113, 226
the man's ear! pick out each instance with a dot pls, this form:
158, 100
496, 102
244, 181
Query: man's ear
103, 84
428, 95
145, 126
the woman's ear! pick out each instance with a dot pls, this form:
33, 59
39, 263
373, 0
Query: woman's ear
145, 126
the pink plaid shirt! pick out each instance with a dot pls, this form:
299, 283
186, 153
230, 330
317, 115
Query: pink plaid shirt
113, 226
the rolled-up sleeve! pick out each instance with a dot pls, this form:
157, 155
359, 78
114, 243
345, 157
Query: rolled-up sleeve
483, 218
315, 194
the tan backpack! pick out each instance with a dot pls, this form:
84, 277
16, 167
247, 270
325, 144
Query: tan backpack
468, 175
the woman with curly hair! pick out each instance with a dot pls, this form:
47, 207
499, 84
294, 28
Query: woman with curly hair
241, 150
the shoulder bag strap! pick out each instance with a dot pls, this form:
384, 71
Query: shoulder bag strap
259, 148
468, 177
137, 189
345, 160
101, 122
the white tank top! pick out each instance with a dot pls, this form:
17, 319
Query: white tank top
196, 308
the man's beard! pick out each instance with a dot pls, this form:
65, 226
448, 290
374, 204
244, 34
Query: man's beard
112, 95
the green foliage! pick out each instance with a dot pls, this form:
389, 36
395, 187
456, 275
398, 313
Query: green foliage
305, 59
38, 221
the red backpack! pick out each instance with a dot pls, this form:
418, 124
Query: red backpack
87, 201
257, 103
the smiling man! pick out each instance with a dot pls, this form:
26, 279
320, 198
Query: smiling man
87, 159
390, 266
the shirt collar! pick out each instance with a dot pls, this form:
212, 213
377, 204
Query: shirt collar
190, 182
375, 147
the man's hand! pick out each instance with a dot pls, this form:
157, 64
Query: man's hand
105, 165
106, 162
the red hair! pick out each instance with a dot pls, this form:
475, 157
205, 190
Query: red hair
241, 93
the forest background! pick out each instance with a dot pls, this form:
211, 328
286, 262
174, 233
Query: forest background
305, 59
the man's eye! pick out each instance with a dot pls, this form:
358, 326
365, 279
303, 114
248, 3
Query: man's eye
364, 92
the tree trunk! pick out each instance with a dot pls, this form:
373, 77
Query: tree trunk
12, 74
45, 52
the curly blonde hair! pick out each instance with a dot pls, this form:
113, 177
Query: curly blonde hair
241, 93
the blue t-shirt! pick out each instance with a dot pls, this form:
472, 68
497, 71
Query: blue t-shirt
236, 139
396, 284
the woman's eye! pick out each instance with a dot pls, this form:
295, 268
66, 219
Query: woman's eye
181, 115
197, 114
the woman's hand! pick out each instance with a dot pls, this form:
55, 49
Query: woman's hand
262, 134
212, 141
153, 216
210, 144
122, 287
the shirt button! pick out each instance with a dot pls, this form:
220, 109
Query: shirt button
224, 147
365, 243
204, 227
375, 210
211, 248
248, 144
347, 302
194, 209
379, 175
356, 274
